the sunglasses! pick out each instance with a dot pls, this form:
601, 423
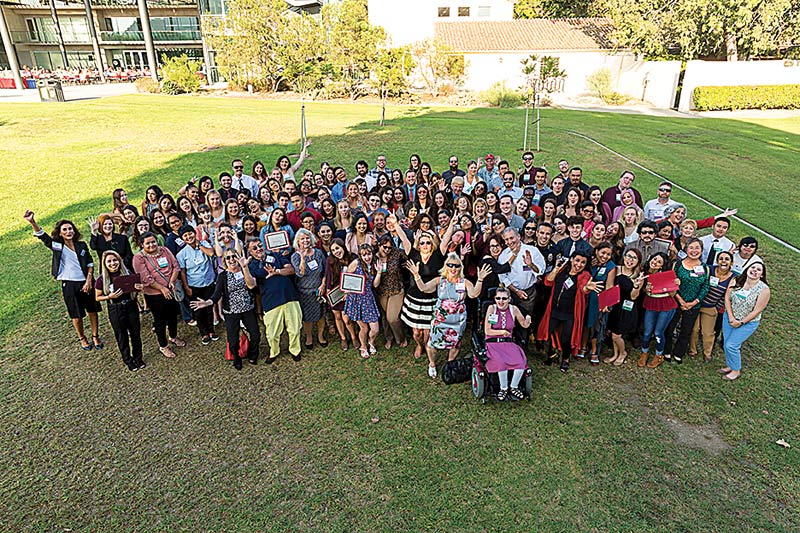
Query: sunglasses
751, 245
647, 232
453, 265
425, 243
501, 298
238, 168
664, 190
527, 158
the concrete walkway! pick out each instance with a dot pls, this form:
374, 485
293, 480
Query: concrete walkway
72, 93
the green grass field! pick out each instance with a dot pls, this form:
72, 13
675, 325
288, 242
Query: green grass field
335, 443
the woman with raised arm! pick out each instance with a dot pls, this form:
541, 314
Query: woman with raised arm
418, 305
285, 165
122, 311
235, 287
450, 311
72, 265
745, 300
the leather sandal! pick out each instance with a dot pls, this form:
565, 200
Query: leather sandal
656, 361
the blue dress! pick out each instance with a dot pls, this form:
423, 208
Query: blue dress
449, 316
362, 307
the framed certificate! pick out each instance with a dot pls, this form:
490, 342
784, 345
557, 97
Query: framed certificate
126, 283
353, 283
277, 240
335, 296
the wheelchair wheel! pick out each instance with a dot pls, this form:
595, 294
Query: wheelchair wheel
478, 383
529, 384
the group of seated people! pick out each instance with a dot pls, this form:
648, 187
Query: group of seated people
414, 255
83, 75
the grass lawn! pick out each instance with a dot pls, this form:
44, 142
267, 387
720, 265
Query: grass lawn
335, 443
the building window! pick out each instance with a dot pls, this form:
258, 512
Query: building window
444, 12
484, 11
463, 11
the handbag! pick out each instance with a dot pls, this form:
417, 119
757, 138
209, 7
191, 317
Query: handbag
244, 346
457, 370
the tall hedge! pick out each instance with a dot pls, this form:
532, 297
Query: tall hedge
728, 98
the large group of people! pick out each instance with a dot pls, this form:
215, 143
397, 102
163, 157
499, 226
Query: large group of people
540, 262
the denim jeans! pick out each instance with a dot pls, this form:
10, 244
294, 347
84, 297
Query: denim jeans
734, 338
655, 323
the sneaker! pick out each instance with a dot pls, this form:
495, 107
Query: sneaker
192, 322
205, 341
432, 372
142, 364
516, 394
252, 361
216, 321
214, 337
502, 395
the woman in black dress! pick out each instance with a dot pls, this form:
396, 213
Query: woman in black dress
418, 306
624, 317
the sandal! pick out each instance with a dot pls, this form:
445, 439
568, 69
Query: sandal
581, 354
168, 353
98, 342
364, 353
372, 349
502, 395
180, 343
322, 343
621, 359
88, 346
516, 394
594, 359
344, 344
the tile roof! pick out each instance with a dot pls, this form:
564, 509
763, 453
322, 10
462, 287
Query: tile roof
527, 35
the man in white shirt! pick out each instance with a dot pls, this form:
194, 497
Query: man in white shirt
242, 180
654, 209
717, 241
527, 264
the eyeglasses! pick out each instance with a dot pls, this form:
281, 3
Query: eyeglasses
257, 245
495, 245
631, 256
501, 298
664, 189
454, 160
453, 265
238, 167
496, 222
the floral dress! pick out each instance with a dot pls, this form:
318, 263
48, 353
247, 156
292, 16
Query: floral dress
362, 307
449, 316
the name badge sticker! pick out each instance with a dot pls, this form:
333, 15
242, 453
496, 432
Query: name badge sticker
162, 262
493, 318
179, 242
714, 281
270, 259
699, 269
627, 305
238, 275
602, 271
568, 283
460, 286
312, 265
57, 246
743, 294
682, 255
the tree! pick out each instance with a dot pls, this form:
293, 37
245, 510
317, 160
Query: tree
180, 74
391, 70
248, 42
303, 55
352, 42
542, 75
691, 29
437, 64
531, 9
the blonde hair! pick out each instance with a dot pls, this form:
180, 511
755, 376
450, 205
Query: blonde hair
123, 270
338, 218
452, 256
639, 215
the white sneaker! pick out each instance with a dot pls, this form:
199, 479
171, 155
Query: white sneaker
432, 372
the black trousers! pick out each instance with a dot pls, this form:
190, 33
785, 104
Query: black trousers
233, 328
204, 316
684, 322
124, 318
165, 316
526, 308
565, 336
540, 304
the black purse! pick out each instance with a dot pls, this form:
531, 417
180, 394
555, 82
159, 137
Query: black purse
457, 370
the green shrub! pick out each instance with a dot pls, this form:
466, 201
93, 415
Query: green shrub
170, 87
729, 98
498, 95
147, 85
600, 85
181, 71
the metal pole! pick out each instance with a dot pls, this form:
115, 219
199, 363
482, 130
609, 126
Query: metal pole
538, 107
525, 141
383, 107
11, 52
144, 17
302, 125
98, 59
59, 36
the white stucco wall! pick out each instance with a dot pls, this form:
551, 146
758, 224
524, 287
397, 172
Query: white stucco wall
412, 20
662, 81
483, 70
774, 72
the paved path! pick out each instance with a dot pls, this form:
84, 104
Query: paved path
71, 92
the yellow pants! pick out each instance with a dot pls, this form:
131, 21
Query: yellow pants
287, 316
704, 328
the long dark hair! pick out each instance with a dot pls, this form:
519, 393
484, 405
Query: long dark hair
741, 278
366, 268
56, 233
337, 264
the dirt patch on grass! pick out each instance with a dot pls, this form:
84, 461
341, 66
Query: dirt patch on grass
705, 438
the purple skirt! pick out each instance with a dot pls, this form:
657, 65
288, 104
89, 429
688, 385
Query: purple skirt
504, 356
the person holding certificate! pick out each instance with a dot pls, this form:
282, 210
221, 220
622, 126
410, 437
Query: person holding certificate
603, 272
337, 261
309, 267
659, 308
360, 305
122, 311
623, 319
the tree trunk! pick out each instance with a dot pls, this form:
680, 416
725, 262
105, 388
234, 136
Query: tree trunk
731, 47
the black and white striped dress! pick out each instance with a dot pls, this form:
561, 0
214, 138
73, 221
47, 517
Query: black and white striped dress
418, 306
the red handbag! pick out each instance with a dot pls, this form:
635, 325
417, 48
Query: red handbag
244, 346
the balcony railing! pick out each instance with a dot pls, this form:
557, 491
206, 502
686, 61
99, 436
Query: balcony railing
46, 37
158, 36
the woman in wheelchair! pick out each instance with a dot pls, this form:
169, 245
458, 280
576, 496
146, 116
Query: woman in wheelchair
503, 353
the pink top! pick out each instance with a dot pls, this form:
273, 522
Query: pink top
158, 268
